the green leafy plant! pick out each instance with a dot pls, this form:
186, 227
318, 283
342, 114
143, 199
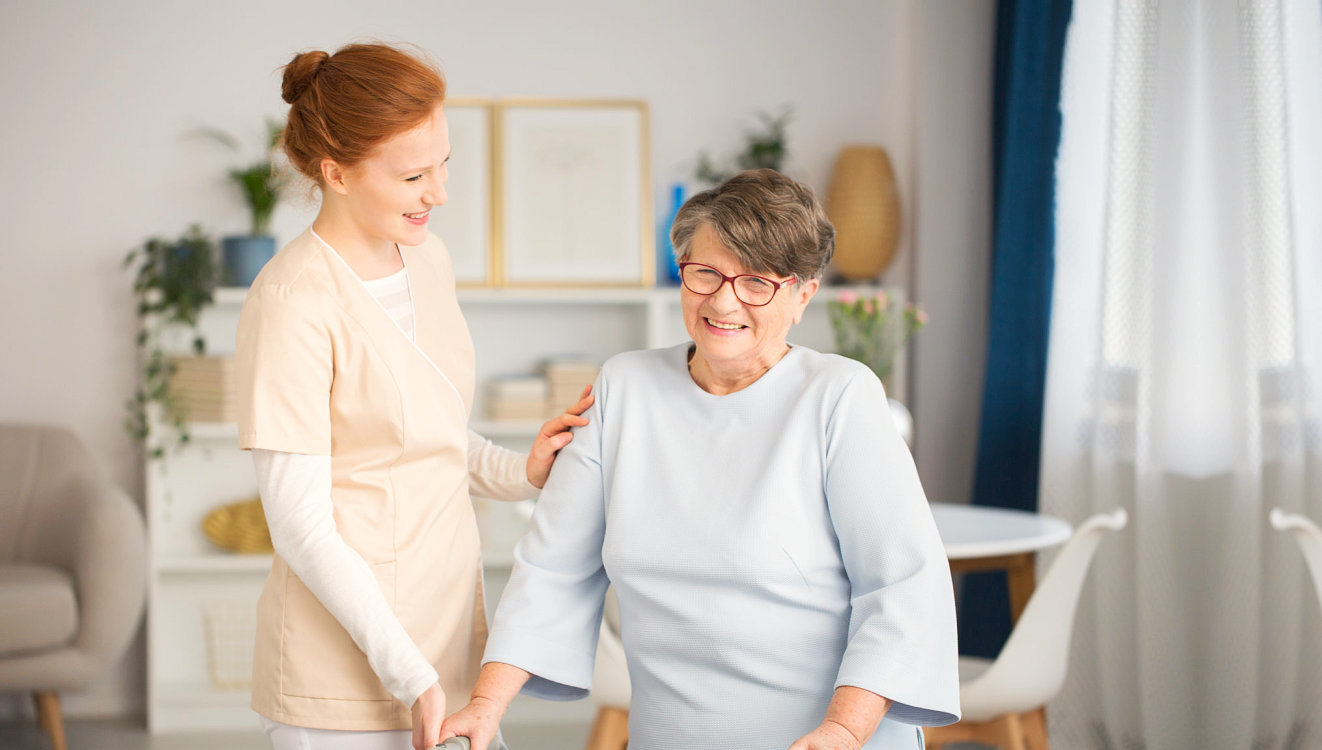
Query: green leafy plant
873, 330
764, 148
262, 183
174, 281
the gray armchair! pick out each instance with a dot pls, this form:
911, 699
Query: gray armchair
72, 568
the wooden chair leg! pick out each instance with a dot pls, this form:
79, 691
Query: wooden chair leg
50, 718
1008, 733
1026, 731
610, 730
1035, 729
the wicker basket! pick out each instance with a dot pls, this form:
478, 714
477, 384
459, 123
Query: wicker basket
239, 527
230, 631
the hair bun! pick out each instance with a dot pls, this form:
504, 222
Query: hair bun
300, 73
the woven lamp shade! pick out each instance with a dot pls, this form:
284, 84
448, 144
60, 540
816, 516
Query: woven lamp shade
864, 205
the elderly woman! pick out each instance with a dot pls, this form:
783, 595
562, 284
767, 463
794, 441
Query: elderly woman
780, 578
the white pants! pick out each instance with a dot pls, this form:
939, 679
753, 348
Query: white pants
287, 737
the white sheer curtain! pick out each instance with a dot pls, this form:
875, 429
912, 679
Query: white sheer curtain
1185, 362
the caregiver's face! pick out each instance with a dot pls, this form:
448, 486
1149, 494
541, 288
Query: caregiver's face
391, 193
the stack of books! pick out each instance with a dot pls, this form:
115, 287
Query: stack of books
204, 388
517, 397
568, 378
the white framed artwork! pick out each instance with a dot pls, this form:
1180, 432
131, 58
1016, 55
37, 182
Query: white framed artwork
573, 206
464, 223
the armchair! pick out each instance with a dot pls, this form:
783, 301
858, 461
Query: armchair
72, 568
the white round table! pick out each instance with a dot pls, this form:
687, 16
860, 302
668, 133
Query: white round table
978, 538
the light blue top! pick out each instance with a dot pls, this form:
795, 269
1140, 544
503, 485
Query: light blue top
766, 546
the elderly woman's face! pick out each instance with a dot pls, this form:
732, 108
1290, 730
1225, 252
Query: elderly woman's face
728, 333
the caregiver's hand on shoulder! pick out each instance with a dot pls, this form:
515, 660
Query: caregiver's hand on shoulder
827, 736
478, 721
428, 713
553, 436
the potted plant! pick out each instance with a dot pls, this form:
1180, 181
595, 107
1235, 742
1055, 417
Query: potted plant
174, 280
261, 184
764, 148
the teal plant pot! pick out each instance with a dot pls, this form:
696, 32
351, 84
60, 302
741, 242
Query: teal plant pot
243, 257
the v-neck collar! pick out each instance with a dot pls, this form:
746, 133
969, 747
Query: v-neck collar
417, 322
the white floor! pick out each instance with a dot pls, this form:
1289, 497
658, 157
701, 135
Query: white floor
117, 734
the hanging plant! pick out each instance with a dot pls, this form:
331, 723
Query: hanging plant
174, 281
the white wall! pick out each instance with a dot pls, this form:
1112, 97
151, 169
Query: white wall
953, 59
99, 98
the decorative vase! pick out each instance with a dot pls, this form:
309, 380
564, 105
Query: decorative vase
863, 204
244, 256
903, 420
671, 263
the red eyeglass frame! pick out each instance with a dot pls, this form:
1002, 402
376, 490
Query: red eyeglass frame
731, 279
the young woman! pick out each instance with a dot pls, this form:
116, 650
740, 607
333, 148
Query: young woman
356, 373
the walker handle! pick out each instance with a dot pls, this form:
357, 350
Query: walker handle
455, 743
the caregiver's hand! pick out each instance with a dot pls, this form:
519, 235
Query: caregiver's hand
553, 436
428, 713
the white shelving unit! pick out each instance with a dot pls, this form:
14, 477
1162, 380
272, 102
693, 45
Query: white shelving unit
513, 330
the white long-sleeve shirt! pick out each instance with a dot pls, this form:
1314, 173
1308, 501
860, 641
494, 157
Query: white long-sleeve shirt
296, 497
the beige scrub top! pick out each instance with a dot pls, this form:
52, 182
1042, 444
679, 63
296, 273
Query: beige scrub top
324, 370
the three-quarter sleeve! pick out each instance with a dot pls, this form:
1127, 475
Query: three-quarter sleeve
549, 616
902, 634
285, 371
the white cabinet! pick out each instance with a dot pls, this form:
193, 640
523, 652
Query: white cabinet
202, 599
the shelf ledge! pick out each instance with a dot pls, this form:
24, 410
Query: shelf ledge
213, 563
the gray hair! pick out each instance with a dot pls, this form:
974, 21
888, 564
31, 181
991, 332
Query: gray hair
771, 223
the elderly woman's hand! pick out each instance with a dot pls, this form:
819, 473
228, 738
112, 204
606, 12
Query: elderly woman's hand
478, 721
553, 436
828, 736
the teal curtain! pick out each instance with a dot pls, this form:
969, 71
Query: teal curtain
1030, 46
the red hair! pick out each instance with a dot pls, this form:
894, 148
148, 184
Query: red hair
343, 106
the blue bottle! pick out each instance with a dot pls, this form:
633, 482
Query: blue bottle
663, 241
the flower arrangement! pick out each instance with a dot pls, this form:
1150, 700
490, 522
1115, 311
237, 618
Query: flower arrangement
873, 330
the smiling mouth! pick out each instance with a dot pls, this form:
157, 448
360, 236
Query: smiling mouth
723, 326
417, 216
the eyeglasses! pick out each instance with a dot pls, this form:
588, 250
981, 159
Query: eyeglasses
752, 290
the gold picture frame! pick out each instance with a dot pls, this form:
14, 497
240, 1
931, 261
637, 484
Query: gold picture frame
466, 223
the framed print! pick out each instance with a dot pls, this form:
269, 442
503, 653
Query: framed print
464, 223
573, 205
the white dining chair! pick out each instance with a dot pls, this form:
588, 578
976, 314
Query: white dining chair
1003, 702
1309, 537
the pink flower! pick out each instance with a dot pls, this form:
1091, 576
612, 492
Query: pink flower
922, 318
847, 297
869, 307
883, 301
